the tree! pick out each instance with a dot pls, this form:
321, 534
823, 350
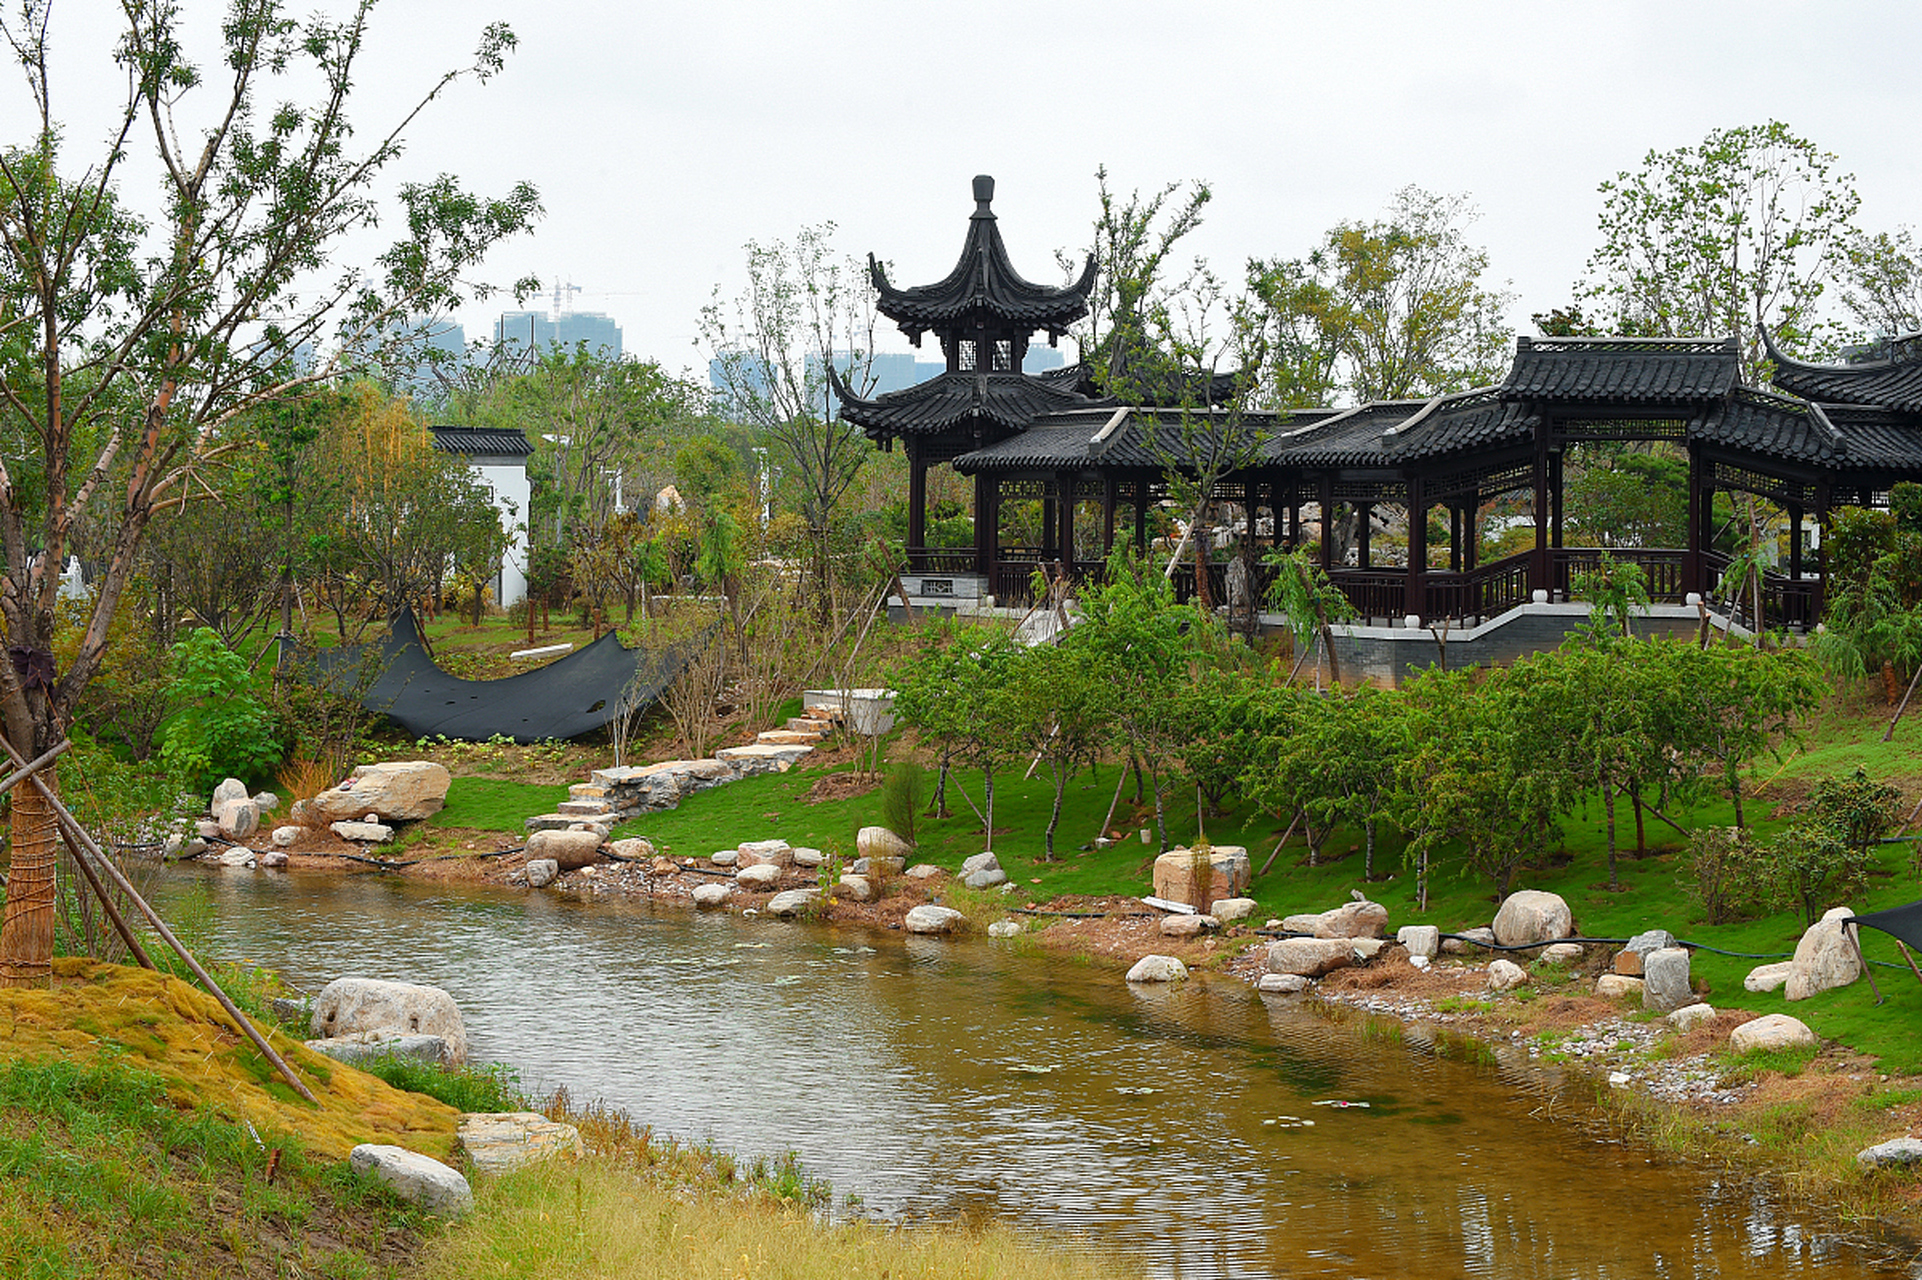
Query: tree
132, 346
1133, 240
1882, 283
1383, 310
804, 311
1058, 702
1338, 763
1744, 230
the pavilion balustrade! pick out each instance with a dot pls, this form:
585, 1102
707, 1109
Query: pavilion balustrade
1665, 568
1478, 594
941, 559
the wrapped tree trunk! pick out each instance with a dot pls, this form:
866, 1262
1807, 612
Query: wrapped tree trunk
26, 937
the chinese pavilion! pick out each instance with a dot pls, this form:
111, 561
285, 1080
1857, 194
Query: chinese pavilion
1830, 435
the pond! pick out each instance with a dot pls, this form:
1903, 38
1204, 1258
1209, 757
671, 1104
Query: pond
1198, 1128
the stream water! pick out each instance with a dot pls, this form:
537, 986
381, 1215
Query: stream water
1191, 1127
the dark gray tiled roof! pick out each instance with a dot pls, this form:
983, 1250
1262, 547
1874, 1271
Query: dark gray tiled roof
983, 280
1894, 383
499, 442
1633, 370
1396, 432
1008, 400
1775, 427
1145, 439
1877, 438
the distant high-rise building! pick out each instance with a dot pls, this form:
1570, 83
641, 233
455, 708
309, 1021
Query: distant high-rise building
537, 331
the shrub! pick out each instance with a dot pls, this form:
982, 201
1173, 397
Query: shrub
1812, 866
1724, 871
489, 1088
901, 790
222, 729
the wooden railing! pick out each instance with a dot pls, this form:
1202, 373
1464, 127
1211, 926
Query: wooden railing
940, 559
1665, 568
1479, 593
1786, 601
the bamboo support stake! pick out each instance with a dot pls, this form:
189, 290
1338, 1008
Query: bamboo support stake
119, 921
74, 830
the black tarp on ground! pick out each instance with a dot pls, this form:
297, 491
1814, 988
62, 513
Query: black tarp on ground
1900, 922
575, 695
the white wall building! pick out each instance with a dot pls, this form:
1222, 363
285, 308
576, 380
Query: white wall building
498, 458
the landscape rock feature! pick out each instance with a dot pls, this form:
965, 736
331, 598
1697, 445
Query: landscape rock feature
497, 1141
1422, 940
1362, 919
541, 872
1768, 977
879, 842
761, 876
1309, 957
1665, 986
1158, 969
1232, 910
347, 1006
1771, 1031
1532, 915
930, 919
570, 850
1824, 958
711, 895
1227, 872
401, 791
414, 1177
1897, 1153
792, 902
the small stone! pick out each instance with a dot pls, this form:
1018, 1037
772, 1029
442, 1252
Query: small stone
266, 801
418, 1178
1563, 953
1768, 977
1287, 984
365, 832
1367, 948
724, 858
805, 857
980, 862
1771, 1031
661, 867
237, 858
986, 878
284, 837
856, 887
1618, 1079
1665, 985
1613, 986
1505, 975
208, 829
1628, 963
1158, 969
1231, 910
370, 816
711, 895
541, 872
633, 849
929, 918
273, 860
1003, 929
925, 871
1310, 957
761, 876
766, 853
1422, 940
1188, 926
1690, 1016
793, 902
1465, 941
1897, 1153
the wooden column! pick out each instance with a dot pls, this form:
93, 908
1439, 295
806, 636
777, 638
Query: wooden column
1326, 498
987, 520
1816, 605
1108, 487
1795, 541
1555, 498
1363, 514
1455, 523
1050, 519
1540, 578
1064, 512
917, 503
1417, 603
1141, 515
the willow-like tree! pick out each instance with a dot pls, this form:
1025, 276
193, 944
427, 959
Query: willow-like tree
133, 344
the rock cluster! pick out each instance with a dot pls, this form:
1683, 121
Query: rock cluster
1227, 875
380, 1010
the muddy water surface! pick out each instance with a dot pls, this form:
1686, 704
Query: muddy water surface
1197, 1128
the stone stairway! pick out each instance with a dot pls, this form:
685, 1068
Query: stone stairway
612, 796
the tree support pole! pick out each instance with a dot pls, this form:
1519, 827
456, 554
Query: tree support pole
76, 833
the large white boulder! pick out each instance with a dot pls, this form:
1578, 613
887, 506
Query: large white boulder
711, 895
422, 1179
1422, 940
1225, 874
570, 850
1505, 975
1531, 915
229, 789
792, 902
766, 853
879, 842
1665, 985
1771, 1031
1158, 969
1768, 977
402, 791
928, 918
1824, 958
497, 1141
1350, 920
1229, 910
346, 1006
761, 876
1309, 957
237, 818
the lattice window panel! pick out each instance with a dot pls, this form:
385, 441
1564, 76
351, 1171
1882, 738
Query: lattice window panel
1621, 429
1019, 489
1741, 479
1370, 491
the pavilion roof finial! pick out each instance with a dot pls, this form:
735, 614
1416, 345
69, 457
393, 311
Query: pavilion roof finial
983, 195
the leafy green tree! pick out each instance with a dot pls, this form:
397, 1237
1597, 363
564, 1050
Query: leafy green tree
1730, 705
1882, 285
1621, 498
222, 728
1338, 764
1058, 704
132, 347
1384, 310
1745, 229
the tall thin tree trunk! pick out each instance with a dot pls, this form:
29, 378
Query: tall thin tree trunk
1608, 806
26, 936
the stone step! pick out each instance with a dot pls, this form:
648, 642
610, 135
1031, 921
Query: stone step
820, 712
786, 738
584, 808
759, 758
809, 724
562, 821
586, 791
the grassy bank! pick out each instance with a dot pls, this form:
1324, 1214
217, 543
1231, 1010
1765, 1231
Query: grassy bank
142, 1135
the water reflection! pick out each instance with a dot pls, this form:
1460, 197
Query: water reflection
1194, 1126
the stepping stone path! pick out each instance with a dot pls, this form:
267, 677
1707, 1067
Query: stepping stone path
612, 796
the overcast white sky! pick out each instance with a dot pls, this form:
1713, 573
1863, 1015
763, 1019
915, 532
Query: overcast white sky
663, 135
